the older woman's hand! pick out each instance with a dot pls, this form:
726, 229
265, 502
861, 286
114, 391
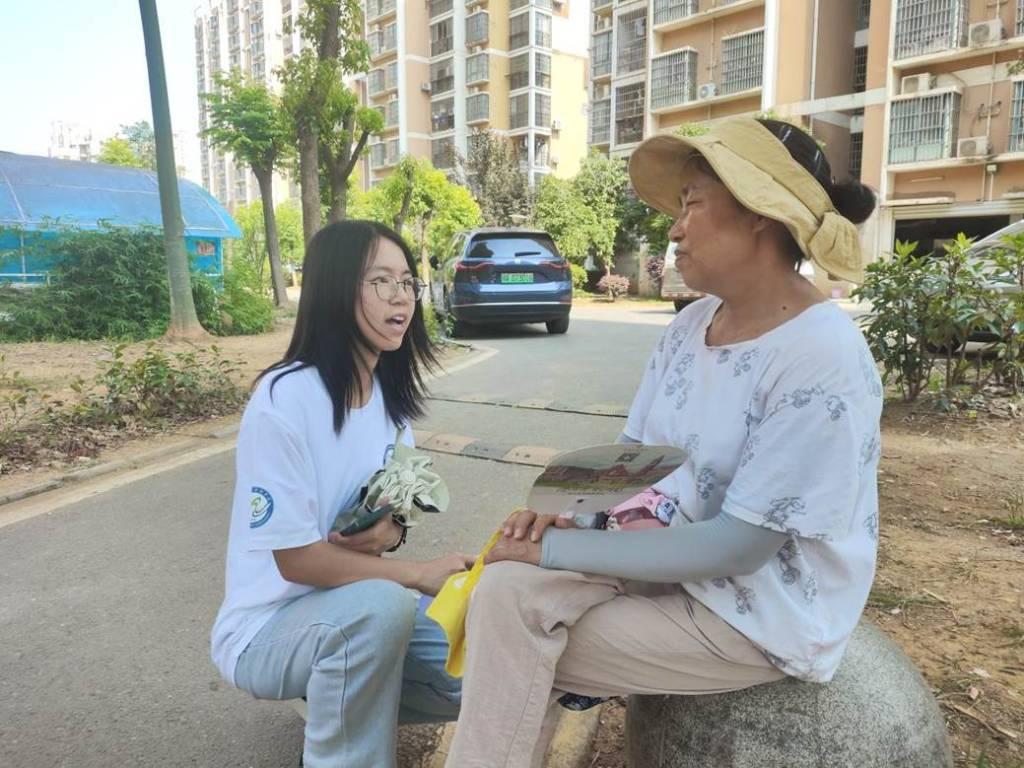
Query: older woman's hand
518, 550
524, 521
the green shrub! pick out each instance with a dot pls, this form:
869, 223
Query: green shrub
245, 308
207, 302
579, 277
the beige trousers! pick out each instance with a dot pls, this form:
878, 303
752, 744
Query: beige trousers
532, 632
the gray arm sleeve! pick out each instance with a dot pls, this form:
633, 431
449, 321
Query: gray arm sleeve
715, 548
625, 439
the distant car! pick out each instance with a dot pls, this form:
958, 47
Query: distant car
500, 275
672, 285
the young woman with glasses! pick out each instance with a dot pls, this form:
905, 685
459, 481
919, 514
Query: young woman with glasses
309, 613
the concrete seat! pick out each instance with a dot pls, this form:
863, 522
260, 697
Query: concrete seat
877, 712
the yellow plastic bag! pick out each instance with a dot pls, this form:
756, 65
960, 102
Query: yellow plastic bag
449, 608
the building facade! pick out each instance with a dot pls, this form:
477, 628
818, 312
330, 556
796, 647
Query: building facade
441, 70
71, 141
248, 36
923, 100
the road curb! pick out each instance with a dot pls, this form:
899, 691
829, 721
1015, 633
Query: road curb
117, 465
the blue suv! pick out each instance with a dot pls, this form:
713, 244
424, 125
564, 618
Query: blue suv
502, 276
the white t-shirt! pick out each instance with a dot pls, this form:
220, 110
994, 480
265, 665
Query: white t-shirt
782, 432
293, 476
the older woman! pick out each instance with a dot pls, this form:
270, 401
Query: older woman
773, 393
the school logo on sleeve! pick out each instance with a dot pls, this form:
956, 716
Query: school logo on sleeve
262, 505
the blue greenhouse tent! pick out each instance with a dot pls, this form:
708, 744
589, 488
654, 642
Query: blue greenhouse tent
40, 194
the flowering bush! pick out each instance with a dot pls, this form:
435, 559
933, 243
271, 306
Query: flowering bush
613, 285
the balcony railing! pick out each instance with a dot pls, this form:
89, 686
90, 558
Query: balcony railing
927, 26
478, 108
438, 7
519, 111
442, 153
631, 42
923, 128
629, 113
601, 5
1020, 18
515, 5
383, 41
441, 45
377, 8
742, 61
673, 10
442, 115
673, 79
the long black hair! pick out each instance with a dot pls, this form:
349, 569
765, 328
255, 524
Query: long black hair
327, 337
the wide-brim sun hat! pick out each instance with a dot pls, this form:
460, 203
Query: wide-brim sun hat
763, 177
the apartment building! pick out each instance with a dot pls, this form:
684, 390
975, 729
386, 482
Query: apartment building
442, 70
71, 141
248, 36
920, 99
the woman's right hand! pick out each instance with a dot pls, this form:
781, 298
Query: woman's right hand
526, 520
434, 573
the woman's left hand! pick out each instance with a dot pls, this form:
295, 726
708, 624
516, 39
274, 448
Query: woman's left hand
375, 540
518, 550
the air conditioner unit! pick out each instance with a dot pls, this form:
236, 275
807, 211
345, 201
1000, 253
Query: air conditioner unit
553, 160
556, 125
602, 91
426, 87
917, 83
973, 146
477, 48
706, 91
985, 33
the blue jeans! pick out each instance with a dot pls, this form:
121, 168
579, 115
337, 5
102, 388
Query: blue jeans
366, 658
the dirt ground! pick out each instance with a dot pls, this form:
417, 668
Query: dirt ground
950, 582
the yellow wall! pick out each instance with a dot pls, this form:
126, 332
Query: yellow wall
568, 94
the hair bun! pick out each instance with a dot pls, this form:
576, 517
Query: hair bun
853, 200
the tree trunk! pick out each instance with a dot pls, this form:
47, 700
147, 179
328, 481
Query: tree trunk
403, 211
339, 168
309, 182
266, 182
184, 322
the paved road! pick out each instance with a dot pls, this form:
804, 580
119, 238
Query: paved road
107, 602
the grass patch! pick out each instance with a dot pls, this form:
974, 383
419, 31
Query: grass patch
890, 598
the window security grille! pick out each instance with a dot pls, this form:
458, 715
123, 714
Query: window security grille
923, 128
673, 79
601, 54
632, 42
926, 26
600, 121
671, 10
742, 61
629, 113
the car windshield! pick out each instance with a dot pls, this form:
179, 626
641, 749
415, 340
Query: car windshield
509, 247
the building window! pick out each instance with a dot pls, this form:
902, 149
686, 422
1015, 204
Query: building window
632, 42
629, 113
542, 70
924, 26
541, 151
442, 76
478, 107
391, 114
542, 36
673, 79
1020, 18
542, 110
438, 7
519, 71
441, 37
442, 114
476, 28
860, 69
519, 111
742, 61
671, 10
375, 81
1017, 119
856, 153
600, 121
375, 8
863, 14
442, 152
377, 155
601, 54
519, 31
923, 128
478, 68
391, 76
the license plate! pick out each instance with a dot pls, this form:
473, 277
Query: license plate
517, 277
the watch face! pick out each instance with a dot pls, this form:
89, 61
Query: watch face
597, 478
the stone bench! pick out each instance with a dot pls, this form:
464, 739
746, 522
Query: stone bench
877, 712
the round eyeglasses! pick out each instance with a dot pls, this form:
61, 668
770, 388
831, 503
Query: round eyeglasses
387, 287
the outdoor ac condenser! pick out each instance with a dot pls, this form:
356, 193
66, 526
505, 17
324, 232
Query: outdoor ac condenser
973, 146
917, 83
985, 33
